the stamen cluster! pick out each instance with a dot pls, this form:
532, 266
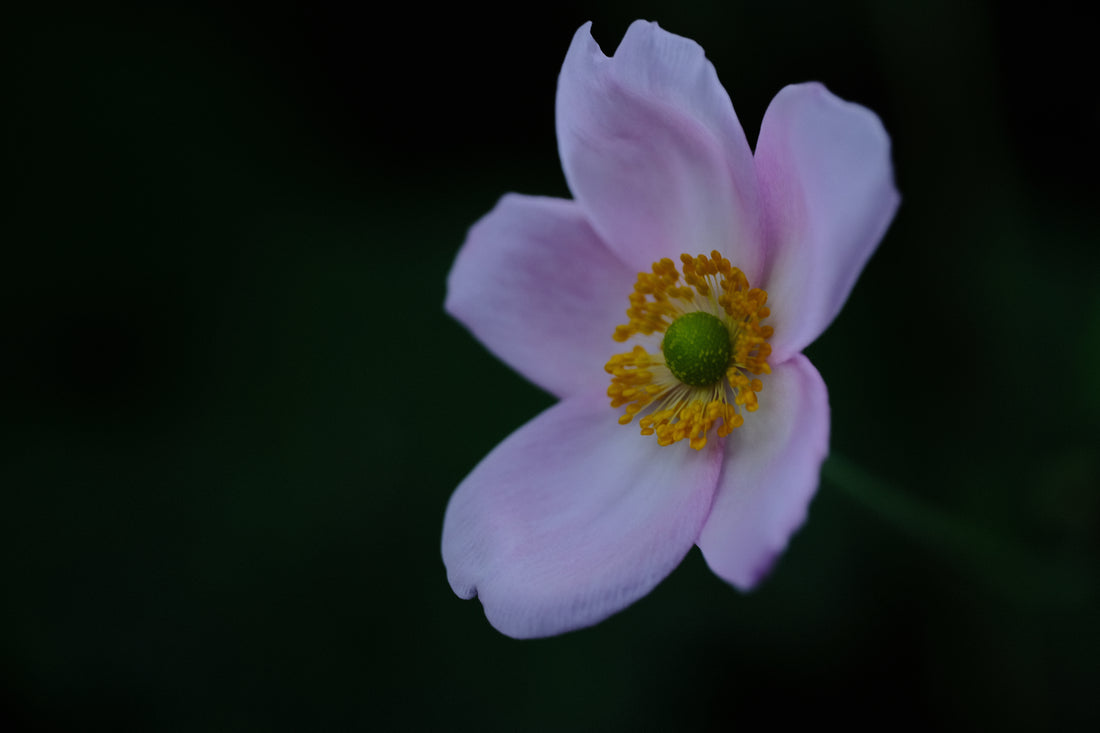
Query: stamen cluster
640, 380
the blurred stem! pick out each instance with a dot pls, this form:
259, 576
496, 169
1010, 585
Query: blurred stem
1007, 568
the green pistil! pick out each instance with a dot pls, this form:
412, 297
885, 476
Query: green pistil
697, 349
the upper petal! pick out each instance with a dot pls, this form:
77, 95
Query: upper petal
828, 189
770, 473
653, 151
574, 517
536, 285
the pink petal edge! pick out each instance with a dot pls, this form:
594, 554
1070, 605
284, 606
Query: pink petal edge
574, 517
828, 189
653, 151
770, 473
536, 285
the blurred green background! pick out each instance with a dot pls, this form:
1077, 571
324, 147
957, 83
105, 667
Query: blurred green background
234, 410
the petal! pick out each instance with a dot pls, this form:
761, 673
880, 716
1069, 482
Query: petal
653, 151
770, 473
828, 189
574, 517
536, 285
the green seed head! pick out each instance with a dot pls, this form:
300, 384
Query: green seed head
697, 349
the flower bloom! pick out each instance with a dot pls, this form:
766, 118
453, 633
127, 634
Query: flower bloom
727, 264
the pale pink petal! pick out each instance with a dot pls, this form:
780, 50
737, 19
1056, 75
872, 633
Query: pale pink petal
770, 473
536, 285
574, 517
828, 188
653, 151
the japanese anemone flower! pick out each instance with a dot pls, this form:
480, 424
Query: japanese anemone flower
727, 264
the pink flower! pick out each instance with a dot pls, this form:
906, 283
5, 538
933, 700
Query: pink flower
575, 516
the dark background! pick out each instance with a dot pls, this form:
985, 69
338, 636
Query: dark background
233, 409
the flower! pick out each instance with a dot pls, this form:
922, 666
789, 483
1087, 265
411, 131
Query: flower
574, 516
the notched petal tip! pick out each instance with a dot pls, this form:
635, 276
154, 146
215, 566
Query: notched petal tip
653, 151
583, 43
637, 29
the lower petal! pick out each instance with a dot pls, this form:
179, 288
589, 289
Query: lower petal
574, 517
771, 471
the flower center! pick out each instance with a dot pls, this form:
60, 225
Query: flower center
713, 340
697, 348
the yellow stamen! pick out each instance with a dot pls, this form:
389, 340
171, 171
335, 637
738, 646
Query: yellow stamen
642, 381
